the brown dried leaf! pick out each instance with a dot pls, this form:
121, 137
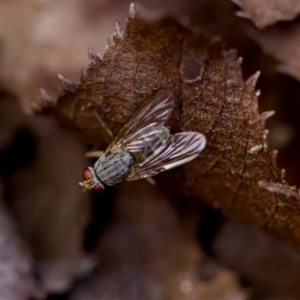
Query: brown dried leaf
211, 98
265, 13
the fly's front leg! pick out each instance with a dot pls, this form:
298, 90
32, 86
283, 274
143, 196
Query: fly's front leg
94, 154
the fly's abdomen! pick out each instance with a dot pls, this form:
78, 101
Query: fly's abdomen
145, 142
114, 167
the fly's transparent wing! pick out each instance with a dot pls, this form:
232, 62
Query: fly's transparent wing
149, 116
180, 148
153, 137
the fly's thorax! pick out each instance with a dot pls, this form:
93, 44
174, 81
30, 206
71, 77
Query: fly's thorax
113, 167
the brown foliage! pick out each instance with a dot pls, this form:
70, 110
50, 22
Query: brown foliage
236, 171
148, 242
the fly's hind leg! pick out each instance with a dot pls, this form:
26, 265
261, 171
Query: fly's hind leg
150, 180
94, 154
101, 121
97, 154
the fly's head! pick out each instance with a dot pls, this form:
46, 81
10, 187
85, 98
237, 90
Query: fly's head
91, 181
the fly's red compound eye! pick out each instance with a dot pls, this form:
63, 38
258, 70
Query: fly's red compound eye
97, 188
91, 182
87, 174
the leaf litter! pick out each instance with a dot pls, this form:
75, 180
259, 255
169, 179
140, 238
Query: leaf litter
236, 174
266, 13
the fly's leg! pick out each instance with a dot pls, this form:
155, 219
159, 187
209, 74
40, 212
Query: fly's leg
97, 154
90, 105
103, 123
94, 154
150, 180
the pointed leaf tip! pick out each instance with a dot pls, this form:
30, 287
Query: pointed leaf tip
94, 58
237, 2
274, 154
266, 115
119, 32
45, 96
239, 61
84, 74
278, 188
68, 85
47, 101
132, 10
253, 79
243, 14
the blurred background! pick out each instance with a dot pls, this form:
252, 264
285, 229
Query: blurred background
59, 243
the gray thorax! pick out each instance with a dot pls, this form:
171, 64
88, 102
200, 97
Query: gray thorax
113, 167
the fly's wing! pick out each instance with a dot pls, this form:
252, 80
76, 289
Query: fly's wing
153, 136
150, 116
180, 148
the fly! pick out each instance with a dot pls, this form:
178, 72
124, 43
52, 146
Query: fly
144, 147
